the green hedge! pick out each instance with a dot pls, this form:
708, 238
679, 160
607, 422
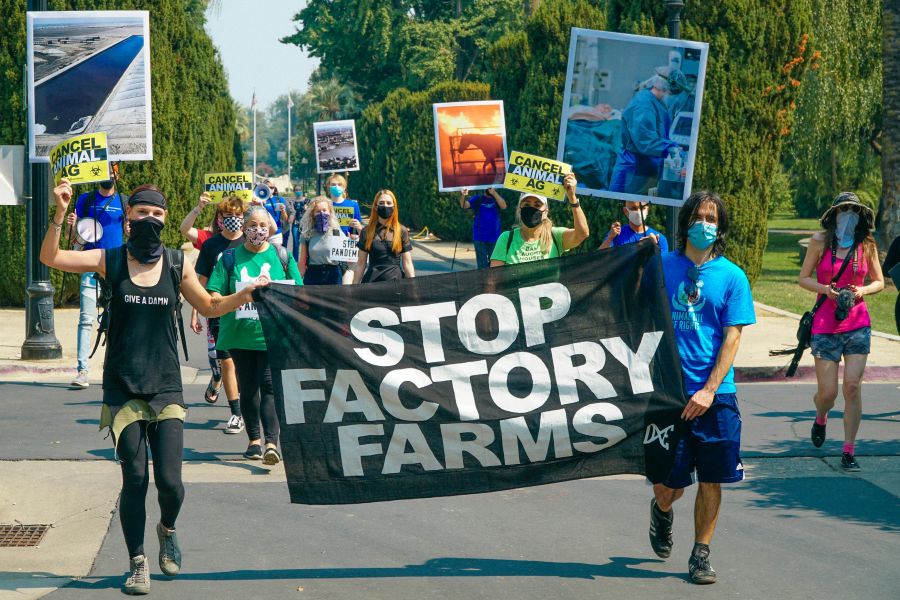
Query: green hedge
193, 117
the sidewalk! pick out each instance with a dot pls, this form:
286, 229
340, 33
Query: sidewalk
774, 329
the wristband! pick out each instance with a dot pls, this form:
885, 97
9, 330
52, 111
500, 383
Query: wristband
574, 204
56, 226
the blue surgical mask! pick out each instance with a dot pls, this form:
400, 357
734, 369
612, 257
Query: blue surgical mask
702, 235
336, 191
845, 228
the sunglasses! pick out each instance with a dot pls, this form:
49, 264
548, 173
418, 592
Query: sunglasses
692, 289
852, 207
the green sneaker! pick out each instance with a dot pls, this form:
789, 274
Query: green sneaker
138, 582
169, 552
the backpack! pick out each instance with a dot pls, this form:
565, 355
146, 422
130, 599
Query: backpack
115, 261
228, 259
510, 237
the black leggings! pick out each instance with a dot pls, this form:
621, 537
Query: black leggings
257, 394
167, 443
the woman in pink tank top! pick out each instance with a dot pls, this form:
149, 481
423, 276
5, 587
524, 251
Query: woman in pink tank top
841, 326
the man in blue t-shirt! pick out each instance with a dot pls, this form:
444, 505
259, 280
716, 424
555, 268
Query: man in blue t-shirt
636, 213
710, 302
104, 206
486, 228
276, 207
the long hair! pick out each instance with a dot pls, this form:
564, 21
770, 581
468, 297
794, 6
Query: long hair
393, 223
308, 222
688, 214
862, 235
544, 229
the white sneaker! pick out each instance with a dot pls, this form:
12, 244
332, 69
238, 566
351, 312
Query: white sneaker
235, 424
138, 582
81, 380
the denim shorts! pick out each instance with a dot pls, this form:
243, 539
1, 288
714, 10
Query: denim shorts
710, 450
831, 346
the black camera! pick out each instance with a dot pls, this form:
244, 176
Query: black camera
845, 301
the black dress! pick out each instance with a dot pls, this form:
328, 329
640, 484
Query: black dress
384, 264
893, 257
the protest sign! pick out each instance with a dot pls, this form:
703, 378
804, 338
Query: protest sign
631, 115
89, 71
476, 381
248, 309
470, 140
219, 185
335, 143
344, 214
529, 173
80, 159
342, 249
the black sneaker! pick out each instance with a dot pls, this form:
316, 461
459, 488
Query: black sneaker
661, 530
848, 462
817, 434
254, 452
698, 566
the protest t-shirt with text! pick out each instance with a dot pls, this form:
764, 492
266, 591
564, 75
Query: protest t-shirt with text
247, 334
345, 211
723, 300
521, 251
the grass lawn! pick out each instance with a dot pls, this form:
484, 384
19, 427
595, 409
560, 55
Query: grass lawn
777, 284
789, 222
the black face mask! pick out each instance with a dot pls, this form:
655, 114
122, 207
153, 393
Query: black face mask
531, 216
384, 212
144, 243
107, 185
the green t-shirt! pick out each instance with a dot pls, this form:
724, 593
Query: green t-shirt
247, 334
522, 252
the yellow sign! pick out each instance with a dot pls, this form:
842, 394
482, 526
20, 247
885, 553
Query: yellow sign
344, 215
529, 173
219, 185
81, 159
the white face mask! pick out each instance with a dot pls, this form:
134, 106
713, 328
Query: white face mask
637, 217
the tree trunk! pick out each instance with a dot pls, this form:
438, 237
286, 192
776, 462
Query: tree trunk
890, 158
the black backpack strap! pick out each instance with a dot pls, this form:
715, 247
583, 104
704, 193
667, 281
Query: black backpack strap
115, 262
509, 239
176, 271
228, 261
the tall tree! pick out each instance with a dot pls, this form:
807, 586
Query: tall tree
890, 158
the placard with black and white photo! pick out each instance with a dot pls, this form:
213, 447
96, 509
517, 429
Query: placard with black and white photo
336, 149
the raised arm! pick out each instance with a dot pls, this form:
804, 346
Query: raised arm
463, 199
73, 261
572, 238
501, 203
187, 225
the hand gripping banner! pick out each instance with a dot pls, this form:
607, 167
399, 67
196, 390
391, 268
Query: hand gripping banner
475, 381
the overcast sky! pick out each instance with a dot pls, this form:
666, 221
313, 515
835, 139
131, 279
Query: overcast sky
246, 32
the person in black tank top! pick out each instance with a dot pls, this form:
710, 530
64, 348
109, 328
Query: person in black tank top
142, 396
385, 253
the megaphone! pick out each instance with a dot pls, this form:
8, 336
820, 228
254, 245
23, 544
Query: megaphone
262, 192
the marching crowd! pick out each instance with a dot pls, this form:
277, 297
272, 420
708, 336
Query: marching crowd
247, 245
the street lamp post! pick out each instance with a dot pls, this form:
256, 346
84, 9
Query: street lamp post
674, 8
40, 334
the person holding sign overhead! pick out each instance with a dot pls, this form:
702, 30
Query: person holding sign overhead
486, 228
317, 226
536, 238
385, 253
256, 260
101, 214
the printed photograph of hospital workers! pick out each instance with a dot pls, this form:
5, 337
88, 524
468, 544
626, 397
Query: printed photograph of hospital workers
631, 115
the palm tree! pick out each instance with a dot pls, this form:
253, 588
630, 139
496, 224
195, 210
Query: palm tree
328, 100
890, 157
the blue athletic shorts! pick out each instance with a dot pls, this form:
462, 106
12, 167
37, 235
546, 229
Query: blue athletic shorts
710, 451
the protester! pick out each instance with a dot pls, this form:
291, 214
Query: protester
637, 229
318, 225
295, 210
198, 236
890, 262
105, 206
256, 259
230, 219
536, 238
346, 210
277, 208
841, 325
711, 303
645, 139
385, 253
486, 228
142, 393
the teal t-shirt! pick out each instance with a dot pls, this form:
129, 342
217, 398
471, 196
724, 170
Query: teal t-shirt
522, 252
247, 334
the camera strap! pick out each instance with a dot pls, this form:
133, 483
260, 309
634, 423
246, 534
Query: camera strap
823, 297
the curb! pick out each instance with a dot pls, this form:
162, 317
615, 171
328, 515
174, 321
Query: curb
784, 313
424, 248
808, 374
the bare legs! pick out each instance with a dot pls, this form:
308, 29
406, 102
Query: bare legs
826, 392
706, 507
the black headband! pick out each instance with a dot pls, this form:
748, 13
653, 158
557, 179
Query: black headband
148, 197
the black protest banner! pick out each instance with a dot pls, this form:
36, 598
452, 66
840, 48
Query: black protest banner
475, 381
